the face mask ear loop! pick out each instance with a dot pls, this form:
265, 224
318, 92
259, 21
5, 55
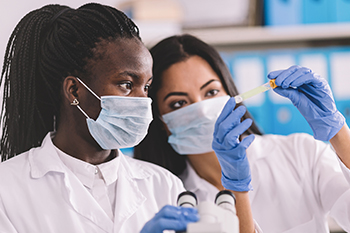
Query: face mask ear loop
88, 89
76, 103
83, 111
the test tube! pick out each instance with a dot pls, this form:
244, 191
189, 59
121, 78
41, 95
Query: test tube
267, 86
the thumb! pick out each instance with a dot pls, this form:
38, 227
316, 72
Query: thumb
247, 141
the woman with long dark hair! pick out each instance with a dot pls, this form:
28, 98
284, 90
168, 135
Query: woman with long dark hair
75, 92
202, 136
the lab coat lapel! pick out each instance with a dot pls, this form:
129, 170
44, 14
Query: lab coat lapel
47, 160
83, 202
129, 196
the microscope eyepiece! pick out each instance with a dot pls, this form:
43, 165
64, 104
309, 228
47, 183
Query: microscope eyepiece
226, 200
187, 199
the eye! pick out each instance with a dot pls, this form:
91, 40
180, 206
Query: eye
147, 87
127, 86
211, 93
178, 104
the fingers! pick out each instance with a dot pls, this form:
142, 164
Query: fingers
175, 212
247, 141
231, 139
227, 124
175, 218
280, 75
274, 74
296, 76
290, 93
171, 224
171, 218
312, 78
228, 108
284, 80
241, 148
302, 81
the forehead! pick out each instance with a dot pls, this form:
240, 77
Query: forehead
120, 55
193, 72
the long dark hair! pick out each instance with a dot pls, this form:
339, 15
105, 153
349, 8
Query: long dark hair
155, 147
47, 45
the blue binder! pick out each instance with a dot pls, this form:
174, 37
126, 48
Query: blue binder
340, 75
283, 12
340, 11
316, 11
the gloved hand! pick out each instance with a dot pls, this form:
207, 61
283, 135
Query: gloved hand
230, 151
171, 218
313, 97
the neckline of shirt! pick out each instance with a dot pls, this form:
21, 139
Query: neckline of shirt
87, 173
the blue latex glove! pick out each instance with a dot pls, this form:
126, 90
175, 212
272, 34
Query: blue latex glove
171, 218
230, 151
313, 97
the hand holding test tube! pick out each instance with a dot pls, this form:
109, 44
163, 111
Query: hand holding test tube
313, 97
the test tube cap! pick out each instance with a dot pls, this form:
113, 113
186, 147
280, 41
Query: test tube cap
273, 84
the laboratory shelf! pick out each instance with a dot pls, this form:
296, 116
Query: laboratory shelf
246, 38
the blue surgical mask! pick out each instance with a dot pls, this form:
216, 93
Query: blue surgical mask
192, 127
123, 121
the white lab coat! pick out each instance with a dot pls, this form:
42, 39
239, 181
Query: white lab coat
39, 194
297, 182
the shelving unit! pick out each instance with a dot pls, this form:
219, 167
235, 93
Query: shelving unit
256, 38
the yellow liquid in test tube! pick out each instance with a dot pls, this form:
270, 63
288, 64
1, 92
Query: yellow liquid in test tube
267, 86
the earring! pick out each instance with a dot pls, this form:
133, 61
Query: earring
75, 102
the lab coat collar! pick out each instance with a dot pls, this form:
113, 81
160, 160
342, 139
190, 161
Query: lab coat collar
83, 170
133, 168
45, 160
109, 170
129, 196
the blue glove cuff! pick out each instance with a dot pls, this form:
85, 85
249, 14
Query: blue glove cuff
325, 128
236, 185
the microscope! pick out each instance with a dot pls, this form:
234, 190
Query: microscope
214, 217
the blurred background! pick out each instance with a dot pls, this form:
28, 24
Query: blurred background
253, 36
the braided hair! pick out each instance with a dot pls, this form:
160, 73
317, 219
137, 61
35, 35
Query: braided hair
47, 45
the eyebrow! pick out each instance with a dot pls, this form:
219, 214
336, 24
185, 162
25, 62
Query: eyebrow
175, 93
185, 94
207, 83
128, 73
133, 75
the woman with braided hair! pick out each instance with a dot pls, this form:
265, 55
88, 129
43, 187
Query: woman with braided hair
75, 87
